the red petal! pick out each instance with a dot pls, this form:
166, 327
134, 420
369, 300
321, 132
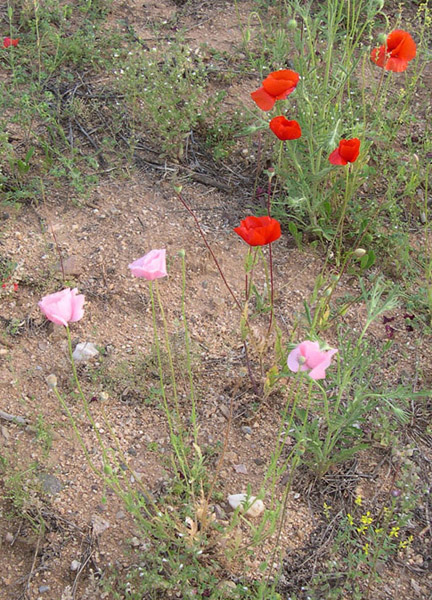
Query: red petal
336, 159
262, 99
397, 65
278, 82
378, 56
284, 129
349, 149
401, 45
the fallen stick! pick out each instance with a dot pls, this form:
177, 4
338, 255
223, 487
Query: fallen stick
7, 417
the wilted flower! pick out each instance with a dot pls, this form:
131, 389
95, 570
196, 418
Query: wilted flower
7, 41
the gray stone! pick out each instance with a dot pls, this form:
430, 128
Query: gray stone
75, 565
50, 483
84, 351
44, 588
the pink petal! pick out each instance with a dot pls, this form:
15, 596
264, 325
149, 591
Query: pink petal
293, 356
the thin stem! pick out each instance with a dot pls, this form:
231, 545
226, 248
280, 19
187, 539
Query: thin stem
190, 211
188, 353
173, 436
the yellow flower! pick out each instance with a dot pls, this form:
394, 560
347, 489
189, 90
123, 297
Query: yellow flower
350, 519
394, 532
366, 519
406, 542
362, 528
358, 500
366, 549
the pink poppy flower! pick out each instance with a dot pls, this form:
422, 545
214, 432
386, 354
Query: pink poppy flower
307, 356
151, 266
63, 307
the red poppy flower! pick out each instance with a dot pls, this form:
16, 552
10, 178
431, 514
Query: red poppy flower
259, 231
284, 129
396, 53
277, 86
7, 41
347, 151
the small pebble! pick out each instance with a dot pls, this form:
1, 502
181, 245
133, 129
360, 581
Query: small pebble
75, 565
44, 588
256, 507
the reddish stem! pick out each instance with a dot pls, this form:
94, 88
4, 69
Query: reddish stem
190, 211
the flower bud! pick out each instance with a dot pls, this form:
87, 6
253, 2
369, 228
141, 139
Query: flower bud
178, 189
182, 253
359, 252
292, 24
382, 38
52, 381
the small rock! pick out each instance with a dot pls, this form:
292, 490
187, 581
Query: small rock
71, 266
226, 585
256, 507
120, 515
132, 451
240, 469
44, 588
219, 512
75, 565
85, 351
259, 461
9, 537
135, 543
246, 429
50, 483
4, 432
99, 525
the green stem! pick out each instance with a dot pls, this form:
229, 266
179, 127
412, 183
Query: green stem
188, 353
177, 444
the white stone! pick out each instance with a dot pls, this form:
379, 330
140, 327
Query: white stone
84, 351
256, 507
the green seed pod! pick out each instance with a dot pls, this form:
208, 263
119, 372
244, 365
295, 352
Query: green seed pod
292, 24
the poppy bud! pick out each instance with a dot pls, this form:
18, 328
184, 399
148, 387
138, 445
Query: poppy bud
382, 38
292, 24
52, 381
359, 252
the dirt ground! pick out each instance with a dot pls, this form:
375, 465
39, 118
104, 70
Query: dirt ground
125, 217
